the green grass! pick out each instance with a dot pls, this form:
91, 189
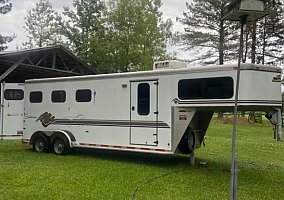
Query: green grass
116, 175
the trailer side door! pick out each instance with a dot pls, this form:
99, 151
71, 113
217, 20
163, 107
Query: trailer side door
144, 113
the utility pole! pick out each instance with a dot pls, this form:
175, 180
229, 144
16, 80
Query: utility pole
242, 11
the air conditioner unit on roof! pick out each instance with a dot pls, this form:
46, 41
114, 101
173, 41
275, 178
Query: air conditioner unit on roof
169, 64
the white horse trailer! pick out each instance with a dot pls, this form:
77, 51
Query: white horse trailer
164, 111
11, 111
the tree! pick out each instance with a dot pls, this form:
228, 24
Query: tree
271, 32
120, 36
81, 24
265, 38
134, 36
41, 26
206, 32
5, 7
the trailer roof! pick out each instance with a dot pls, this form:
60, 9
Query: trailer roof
210, 68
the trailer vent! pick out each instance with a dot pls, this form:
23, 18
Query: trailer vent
169, 64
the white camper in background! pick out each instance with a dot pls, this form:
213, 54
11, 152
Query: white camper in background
11, 111
163, 111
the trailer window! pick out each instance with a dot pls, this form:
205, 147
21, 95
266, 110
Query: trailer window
143, 100
206, 88
58, 96
14, 94
83, 95
36, 97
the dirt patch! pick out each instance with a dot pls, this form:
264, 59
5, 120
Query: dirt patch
230, 119
226, 170
273, 166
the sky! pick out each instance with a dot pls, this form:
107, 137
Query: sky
12, 23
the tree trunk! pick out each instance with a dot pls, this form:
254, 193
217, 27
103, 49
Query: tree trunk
264, 41
221, 43
253, 43
221, 47
246, 46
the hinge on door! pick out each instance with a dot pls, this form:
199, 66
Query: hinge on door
156, 113
156, 142
156, 83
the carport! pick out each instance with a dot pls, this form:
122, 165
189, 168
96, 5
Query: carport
45, 62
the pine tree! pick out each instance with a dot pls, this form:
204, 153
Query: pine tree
41, 26
264, 41
205, 31
5, 7
271, 34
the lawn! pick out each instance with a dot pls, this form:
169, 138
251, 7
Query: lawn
95, 174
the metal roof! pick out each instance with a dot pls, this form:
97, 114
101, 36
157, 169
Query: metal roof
44, 62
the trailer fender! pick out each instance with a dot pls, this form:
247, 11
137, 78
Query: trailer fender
63, 133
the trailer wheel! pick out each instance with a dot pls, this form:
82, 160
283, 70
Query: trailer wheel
187, 142
190, 140
40, 144
61, 146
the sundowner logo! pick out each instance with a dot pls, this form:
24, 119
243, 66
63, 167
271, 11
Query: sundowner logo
46, 119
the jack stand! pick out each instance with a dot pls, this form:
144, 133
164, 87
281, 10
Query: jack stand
279, 125
192, 158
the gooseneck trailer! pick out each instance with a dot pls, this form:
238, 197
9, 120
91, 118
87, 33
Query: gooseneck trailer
165, 111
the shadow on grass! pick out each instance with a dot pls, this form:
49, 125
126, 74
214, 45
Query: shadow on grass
120, 156
166, 161
163, 161
159, 160
132, 157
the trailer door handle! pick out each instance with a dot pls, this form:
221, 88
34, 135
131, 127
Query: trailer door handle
133, 108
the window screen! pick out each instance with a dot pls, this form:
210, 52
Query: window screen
143, 100
206, 88
58, 96
14, 94
36, 97
83, 95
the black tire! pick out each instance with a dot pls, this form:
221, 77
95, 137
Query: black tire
61, 146
187, 142
40, 144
